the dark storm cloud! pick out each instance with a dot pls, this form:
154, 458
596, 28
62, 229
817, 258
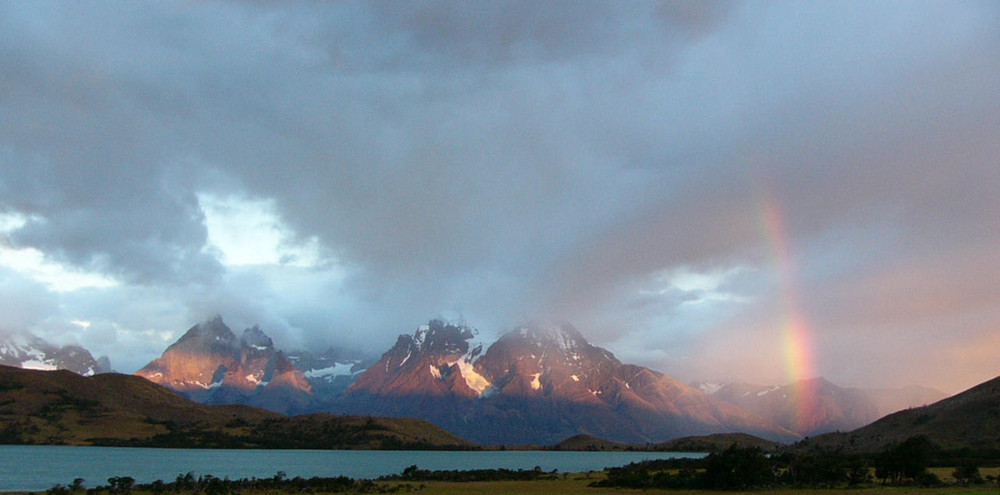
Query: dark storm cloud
511, 159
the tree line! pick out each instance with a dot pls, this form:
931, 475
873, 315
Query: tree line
743, 468
280, 482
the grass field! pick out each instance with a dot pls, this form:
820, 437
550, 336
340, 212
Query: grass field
579, 486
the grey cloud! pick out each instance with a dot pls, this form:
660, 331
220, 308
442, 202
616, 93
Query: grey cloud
23, 303
511, 159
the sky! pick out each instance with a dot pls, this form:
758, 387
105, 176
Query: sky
756, 191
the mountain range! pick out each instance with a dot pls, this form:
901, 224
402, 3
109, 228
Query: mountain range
31, 352
814, 406
967, 420
540, 383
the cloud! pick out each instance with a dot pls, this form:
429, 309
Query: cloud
341, 172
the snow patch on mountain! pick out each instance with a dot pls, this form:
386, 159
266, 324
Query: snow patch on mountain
535, 383
331, 372
710, 388
34, 364
769, 390
474, 380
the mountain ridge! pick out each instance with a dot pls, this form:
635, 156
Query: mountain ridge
815, 406
966, 420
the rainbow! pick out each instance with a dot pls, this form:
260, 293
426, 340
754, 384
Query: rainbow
796, 333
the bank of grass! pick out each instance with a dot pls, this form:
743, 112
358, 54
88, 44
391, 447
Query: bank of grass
945, 474
578, 483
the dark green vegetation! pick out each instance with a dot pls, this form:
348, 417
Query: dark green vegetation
413, 473
63, 408
746, 468
211, 485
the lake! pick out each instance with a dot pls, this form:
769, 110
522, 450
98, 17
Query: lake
24, 468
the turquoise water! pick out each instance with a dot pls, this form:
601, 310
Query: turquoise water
41, 467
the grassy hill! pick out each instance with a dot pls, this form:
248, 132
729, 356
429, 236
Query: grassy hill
969, 420
63, 408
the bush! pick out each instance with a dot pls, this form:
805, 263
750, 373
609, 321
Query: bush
906, 461
968, 475
738, 469
57, 490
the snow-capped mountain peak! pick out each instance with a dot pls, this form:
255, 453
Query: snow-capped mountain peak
31, 352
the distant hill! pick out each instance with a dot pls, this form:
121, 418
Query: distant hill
586, 442
969, 420
716, 442
64, 408
702, 443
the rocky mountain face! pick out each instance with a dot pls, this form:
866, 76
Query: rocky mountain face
209, 364
814, 406
30, 352
540, 383
436, 361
